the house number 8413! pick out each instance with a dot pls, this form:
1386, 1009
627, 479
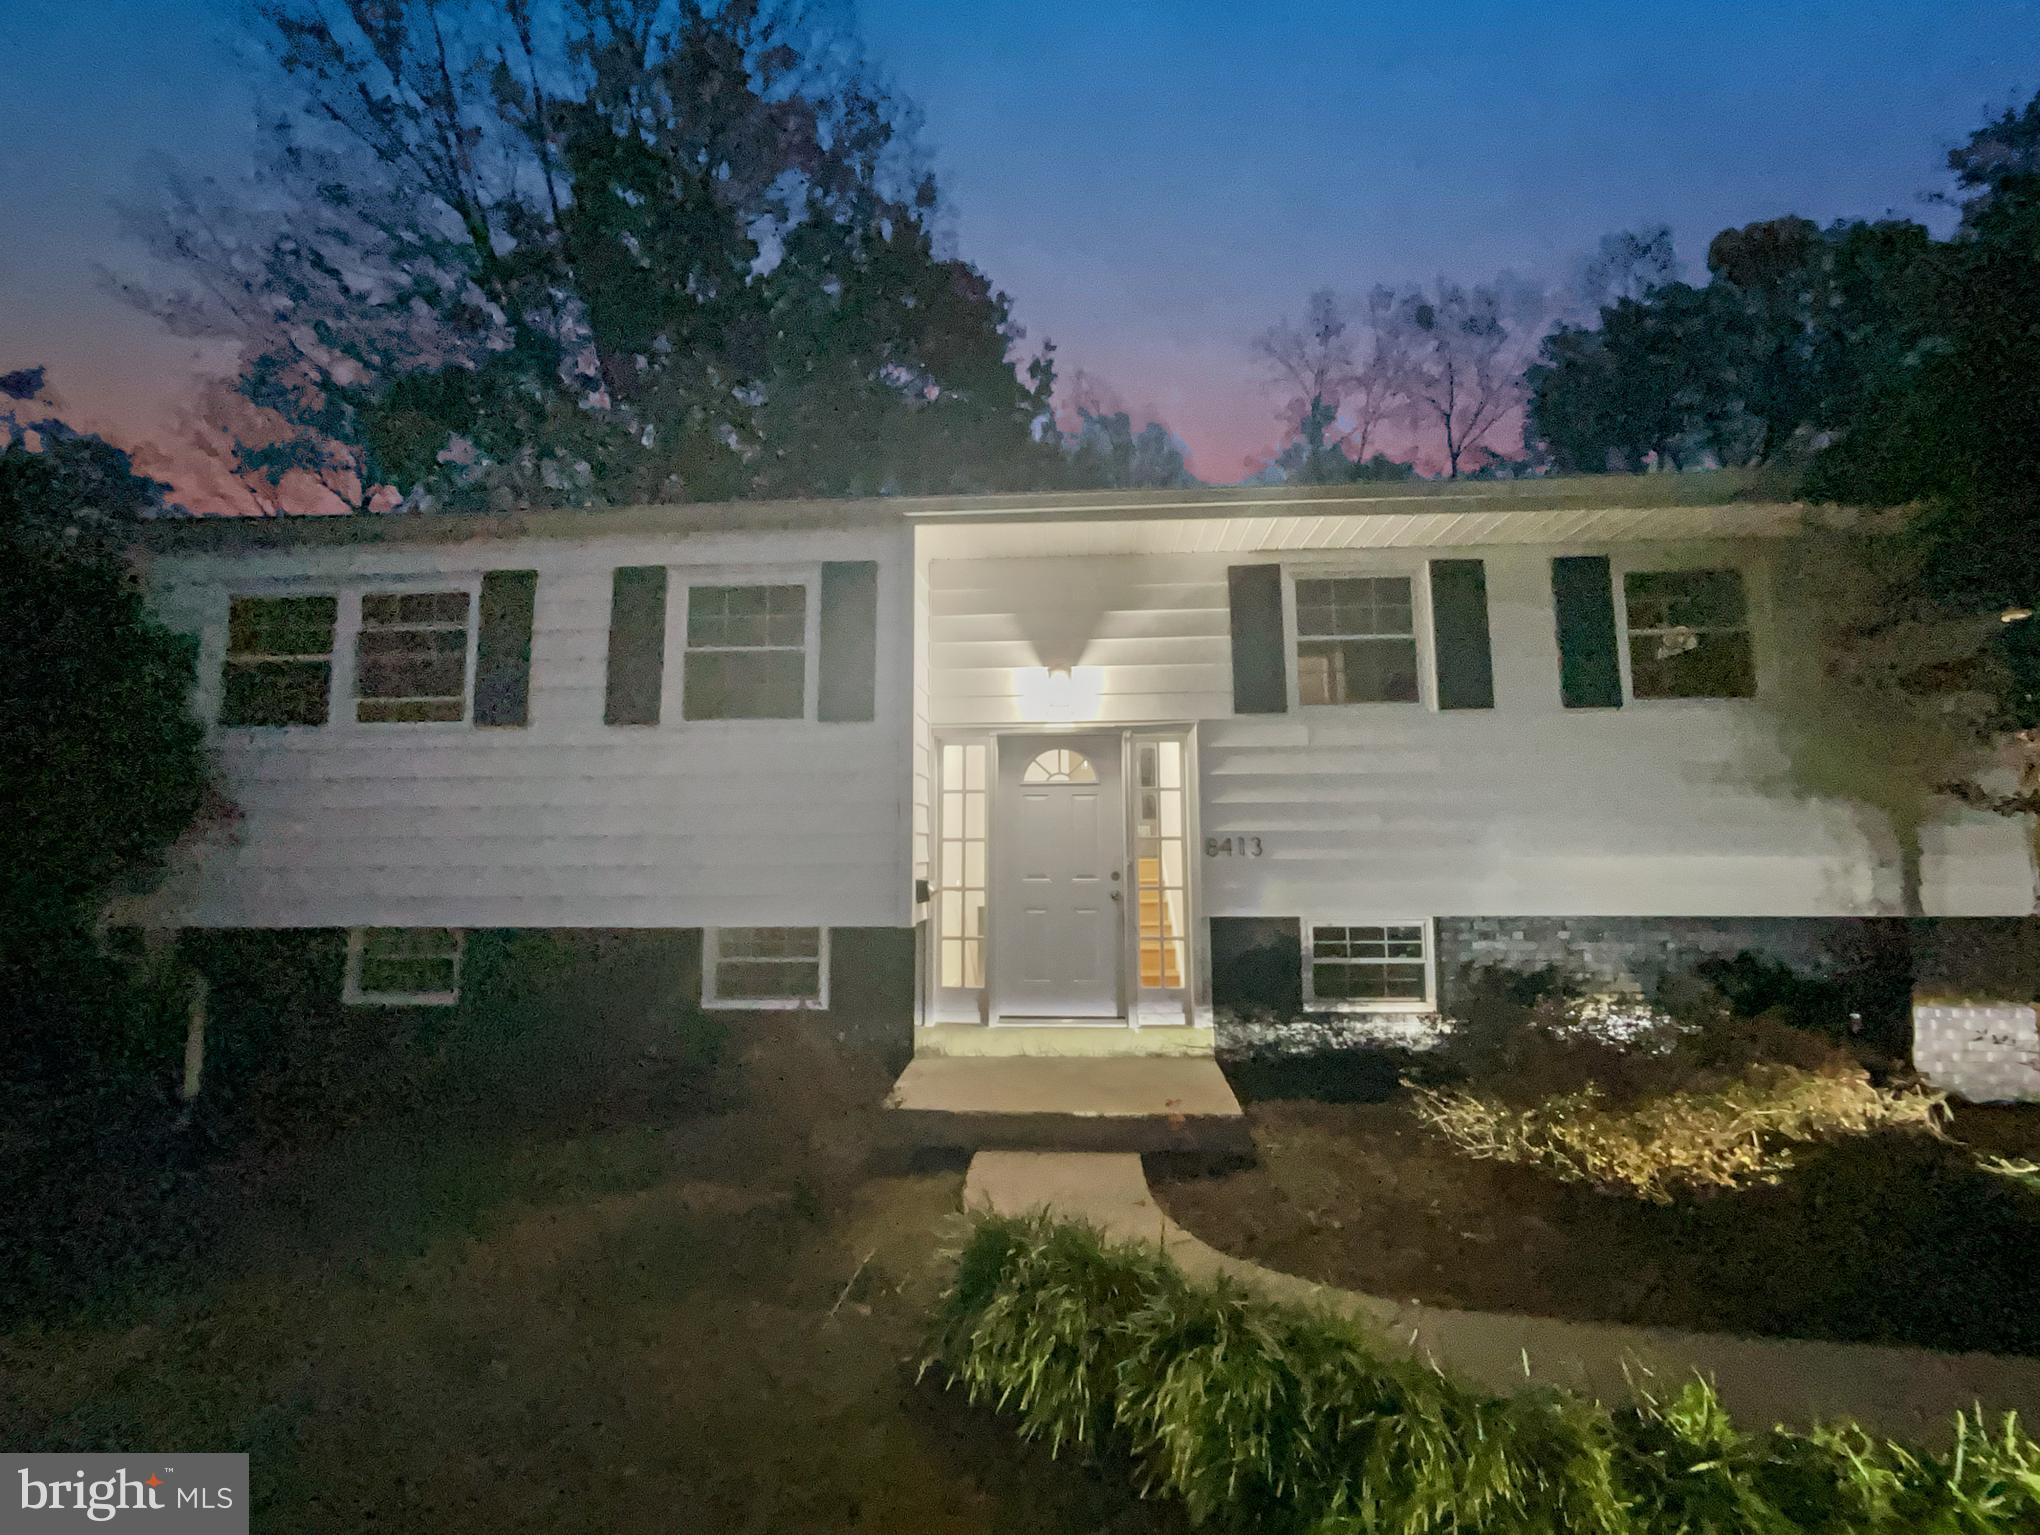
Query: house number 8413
1232, 847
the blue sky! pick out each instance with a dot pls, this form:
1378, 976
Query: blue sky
1153, 182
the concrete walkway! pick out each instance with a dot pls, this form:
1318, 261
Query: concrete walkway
1902, 1393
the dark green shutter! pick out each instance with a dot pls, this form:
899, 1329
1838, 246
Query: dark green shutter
503, 648
1260, 679
1589, 668
637, 645
1459, 625
849, 639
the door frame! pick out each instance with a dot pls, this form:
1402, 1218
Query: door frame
943, 1003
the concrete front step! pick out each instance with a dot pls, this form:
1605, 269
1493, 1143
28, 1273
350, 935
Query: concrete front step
1089, 1041
1159, 1103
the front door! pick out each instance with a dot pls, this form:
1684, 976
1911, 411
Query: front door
1060, 856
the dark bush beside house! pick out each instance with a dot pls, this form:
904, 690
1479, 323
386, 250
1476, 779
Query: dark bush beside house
101, 763
108, 1184
1269, 1417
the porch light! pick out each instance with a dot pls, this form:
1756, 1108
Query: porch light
1060, 693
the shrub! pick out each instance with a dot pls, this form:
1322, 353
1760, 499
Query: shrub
1723, 1134
1264, 1416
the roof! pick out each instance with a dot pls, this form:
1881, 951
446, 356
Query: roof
1653, 492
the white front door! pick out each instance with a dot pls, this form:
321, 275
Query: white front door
1060, 858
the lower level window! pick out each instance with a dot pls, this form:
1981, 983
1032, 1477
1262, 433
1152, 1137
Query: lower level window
1367, 965
404, 966
766, 967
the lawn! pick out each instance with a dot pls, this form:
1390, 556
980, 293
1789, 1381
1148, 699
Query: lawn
1894, 1237
683, 1312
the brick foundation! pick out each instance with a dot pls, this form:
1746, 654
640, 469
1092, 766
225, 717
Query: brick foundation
1633, 954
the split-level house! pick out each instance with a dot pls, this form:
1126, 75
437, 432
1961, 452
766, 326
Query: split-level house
1033, 775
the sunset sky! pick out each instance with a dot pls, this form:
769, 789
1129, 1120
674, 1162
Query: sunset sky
1151, 182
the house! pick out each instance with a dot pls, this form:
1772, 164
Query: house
1037, 776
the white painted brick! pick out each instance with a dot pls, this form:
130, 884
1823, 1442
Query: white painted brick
1984, 1052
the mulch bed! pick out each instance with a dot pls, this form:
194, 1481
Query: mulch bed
1888, 1238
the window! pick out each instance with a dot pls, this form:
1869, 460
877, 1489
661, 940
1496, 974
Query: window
1689, 634
1355, 641
1375, 965
1059, 765
765, 967
961, 864
960, 872
411, 657
279, 667
746, 653
1161, 867
404, 966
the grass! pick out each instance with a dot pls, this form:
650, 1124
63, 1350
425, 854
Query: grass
657, 1316
1255, 1415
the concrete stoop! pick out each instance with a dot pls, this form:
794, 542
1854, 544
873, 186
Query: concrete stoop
1902, 1393
1114, 1104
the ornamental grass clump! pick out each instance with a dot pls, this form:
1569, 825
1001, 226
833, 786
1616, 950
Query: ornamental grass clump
1258, 1415
1716, 1133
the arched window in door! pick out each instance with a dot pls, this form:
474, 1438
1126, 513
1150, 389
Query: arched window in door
1060, 765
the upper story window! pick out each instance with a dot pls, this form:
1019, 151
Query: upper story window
746, 653
1689, 634
1355, 640
279, 667
411, 657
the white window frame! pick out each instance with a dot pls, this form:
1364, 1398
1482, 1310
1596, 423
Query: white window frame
216, 675
1417, 572
1429, 1003
420, 584
959, 1004
711, 958
351, 992
1190, 1002
341, 699
673, 705
1755, 617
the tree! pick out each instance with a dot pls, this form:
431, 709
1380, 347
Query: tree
1886, 700
1652, 386
1469, 348
1934, 669
1761, 364
1105, 452
2003, 152
102, 765
1947, 426
1339, 384
1101, 450
591, 251
1629, 264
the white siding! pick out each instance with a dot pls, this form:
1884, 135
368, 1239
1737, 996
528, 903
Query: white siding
1654, 809
923, 745
566, 822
